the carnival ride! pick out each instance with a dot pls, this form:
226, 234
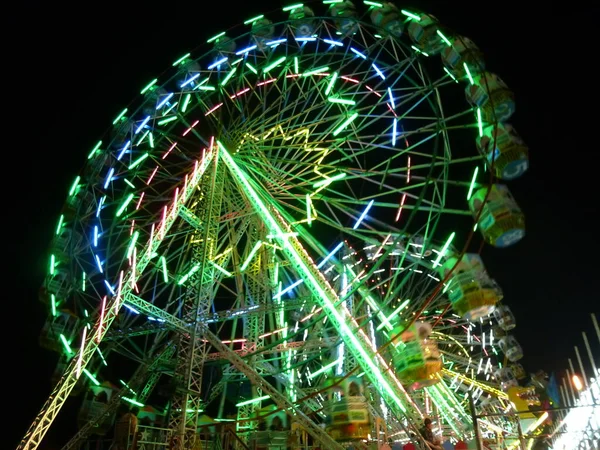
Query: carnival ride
292, 217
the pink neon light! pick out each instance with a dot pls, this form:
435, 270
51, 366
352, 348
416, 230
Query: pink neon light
163, 223
169, 151
262, 83
391, 109
174, 210
140, 201
80, 359
400, 208
99, 335
151, 238
152, 175
119, 290
373, 91
352, 80
131, 227
213, 109
190, 128
242, 92
378, 253
408, 171
196, 168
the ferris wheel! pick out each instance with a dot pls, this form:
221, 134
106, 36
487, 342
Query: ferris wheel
289, 217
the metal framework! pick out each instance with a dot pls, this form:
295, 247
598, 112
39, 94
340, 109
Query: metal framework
148, 372
191, 349
358, 343
44, 419
296, 241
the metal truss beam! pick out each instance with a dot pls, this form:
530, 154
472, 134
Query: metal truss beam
357, 342
143, 371
280, 348
280, 400
471, 382
309, 403
143, 330
38, 429
148, 308
168, 320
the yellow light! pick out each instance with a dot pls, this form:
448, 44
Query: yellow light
577, 382
537, 423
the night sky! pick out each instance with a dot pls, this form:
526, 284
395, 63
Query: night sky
72, 69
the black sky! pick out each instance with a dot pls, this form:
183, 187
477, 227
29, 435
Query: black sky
74, 67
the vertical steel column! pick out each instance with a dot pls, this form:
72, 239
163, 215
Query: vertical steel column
187, 401
475, 421
256, 293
